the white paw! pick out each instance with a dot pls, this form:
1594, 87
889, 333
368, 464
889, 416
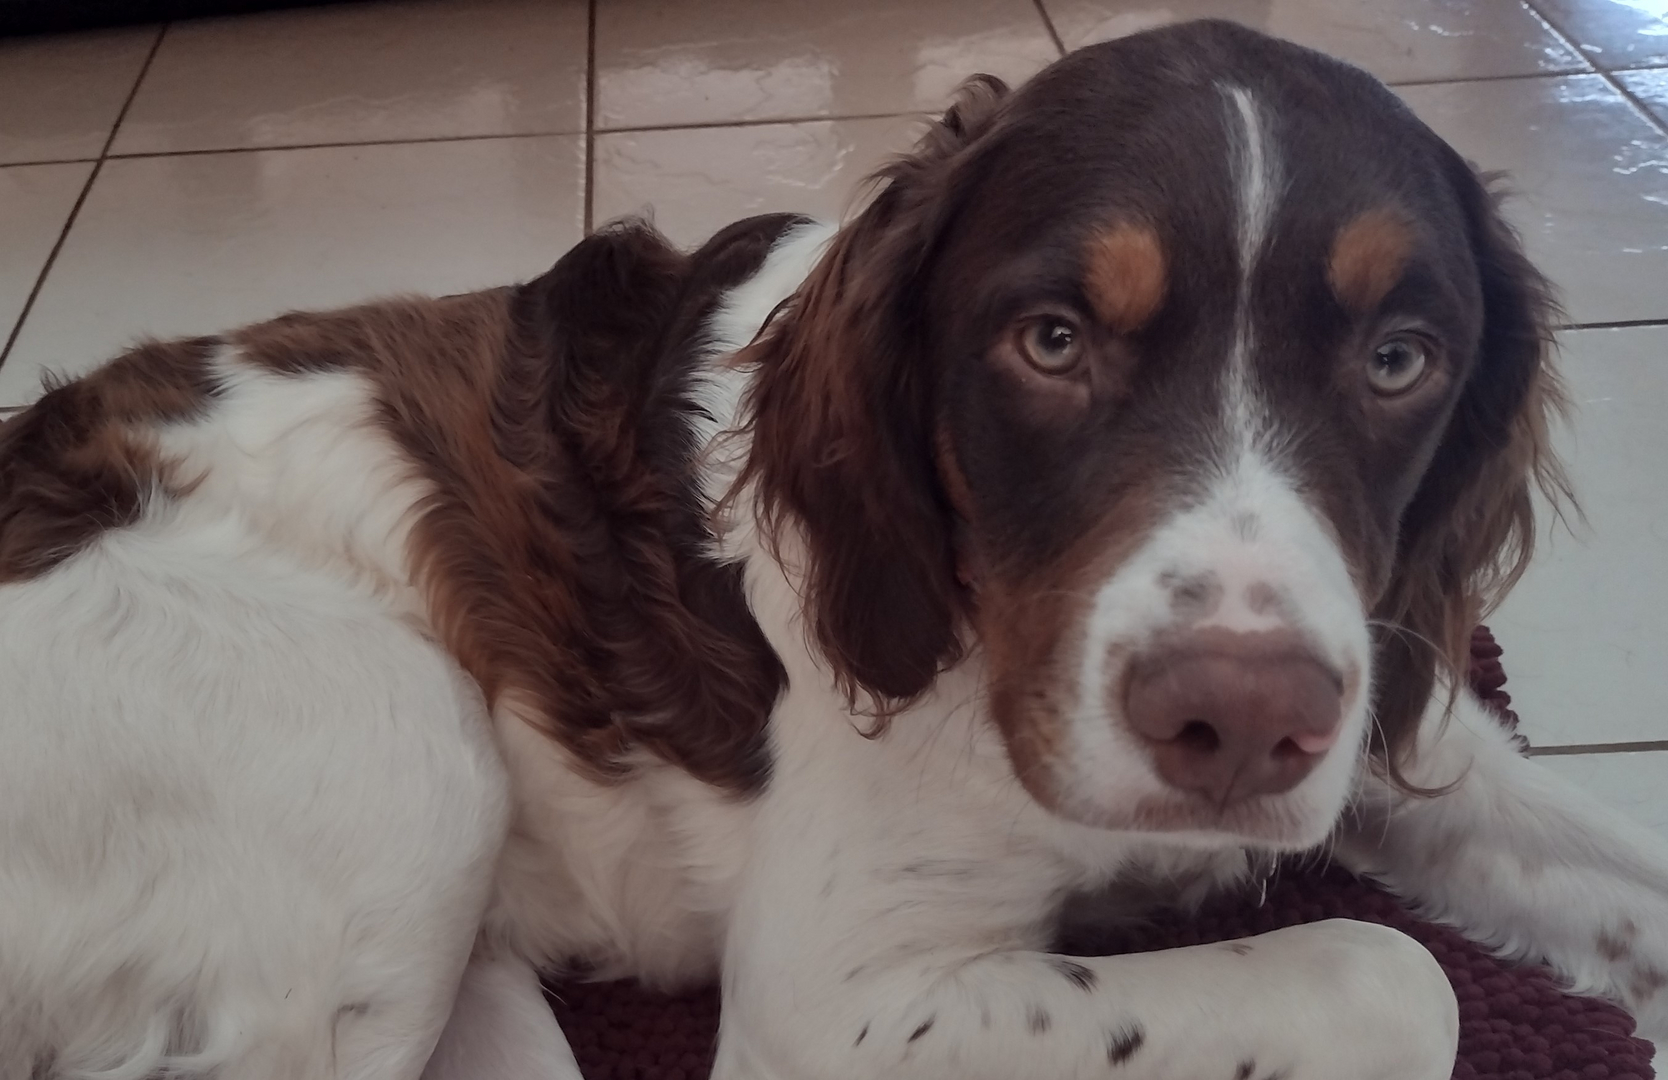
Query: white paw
1371, 1003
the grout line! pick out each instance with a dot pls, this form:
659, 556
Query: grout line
134, 154
1608, 76
764, 122
1526, 76
1598, 748
590, 115
46, 161
1618, 324
81, 199
1048, 24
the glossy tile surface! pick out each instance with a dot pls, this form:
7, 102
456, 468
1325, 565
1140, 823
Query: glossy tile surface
694, 181
35, 201
363, 72
60, 95
1397, 40
1591, 179
1586, 630
1614, 33
1651, 88
1631, 783
198, 243
662, 62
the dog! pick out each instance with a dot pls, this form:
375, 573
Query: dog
1108, 499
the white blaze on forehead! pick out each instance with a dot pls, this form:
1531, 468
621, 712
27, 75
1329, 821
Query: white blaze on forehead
1254, 166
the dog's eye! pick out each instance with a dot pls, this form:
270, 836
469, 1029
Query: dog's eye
1397, 365
1051, 344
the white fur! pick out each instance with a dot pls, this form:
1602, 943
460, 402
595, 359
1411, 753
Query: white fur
251, 816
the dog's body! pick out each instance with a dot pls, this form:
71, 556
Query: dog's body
694, 616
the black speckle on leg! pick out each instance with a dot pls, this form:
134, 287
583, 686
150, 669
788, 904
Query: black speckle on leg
925, 1026
1037, 1020
1073, 972
1238, 948
1246, 1068
864, 1034
854, 972
1122, 1044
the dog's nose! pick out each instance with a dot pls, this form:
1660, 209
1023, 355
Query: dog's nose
1229, 715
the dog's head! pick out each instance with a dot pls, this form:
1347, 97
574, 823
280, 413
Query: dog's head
1202, 387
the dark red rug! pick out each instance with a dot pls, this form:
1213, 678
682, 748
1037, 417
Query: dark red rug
1515, 1024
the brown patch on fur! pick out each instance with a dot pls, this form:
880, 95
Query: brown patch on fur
80, 461
1470, 530
1646, 982
1612, 947
1368, 257
1027, 626
562, 547
843, 434
1124, 275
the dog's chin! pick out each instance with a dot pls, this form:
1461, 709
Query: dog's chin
1289, 822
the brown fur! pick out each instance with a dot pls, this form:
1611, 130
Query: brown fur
1124, 275
841, 418
1368, 257
1470, 530
78, 461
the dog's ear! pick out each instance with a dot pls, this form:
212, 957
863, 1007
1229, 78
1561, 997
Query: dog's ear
1470, 529
841, 411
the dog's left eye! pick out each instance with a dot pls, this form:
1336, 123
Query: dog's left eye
1397, 365
1051, 344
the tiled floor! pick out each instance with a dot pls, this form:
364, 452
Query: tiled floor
174, 179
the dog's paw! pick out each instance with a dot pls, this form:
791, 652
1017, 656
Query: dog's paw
1361, 1000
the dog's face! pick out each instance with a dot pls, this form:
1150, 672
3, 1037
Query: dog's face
1202, 383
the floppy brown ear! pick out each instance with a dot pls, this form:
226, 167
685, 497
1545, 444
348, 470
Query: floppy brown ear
841, 414
1470, 530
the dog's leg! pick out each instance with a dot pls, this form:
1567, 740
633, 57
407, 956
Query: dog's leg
501, 1028
1522, 861
1315, 1002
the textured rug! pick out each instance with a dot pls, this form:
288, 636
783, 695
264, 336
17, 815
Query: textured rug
1515, 1024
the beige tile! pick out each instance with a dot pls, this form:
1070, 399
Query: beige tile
1397, 40
693, 181
1591, 176
1614, 33
1634, 784
665, 62
35, 201
1586, 630
1650, 87
60, 95
363, 72
197, 243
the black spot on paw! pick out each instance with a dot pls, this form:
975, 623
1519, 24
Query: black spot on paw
861, 1035
1037, 1020
1238, 948
1073, 972
1122, 1044
1246, 1068
925, 1026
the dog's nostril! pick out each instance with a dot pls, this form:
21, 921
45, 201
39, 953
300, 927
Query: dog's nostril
1199, 737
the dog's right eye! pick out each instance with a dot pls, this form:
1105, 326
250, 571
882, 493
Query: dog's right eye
1050, 343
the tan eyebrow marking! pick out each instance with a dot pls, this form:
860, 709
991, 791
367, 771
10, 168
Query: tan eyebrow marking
1368, 257
1125, 275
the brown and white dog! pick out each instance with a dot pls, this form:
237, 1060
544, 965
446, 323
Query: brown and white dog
1108, 499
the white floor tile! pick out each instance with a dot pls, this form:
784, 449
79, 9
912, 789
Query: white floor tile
1635, 784
1586, 631
198, 243
61, 94
363, 72
1590, 177
35, 200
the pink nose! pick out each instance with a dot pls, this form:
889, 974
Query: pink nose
1231, 715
